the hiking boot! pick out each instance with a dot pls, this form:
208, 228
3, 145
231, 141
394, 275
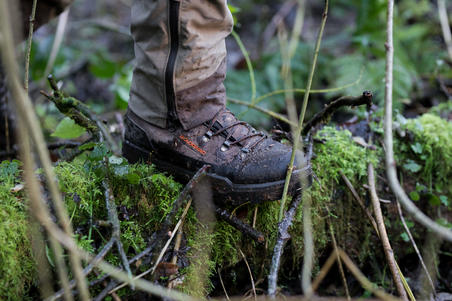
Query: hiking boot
246, 165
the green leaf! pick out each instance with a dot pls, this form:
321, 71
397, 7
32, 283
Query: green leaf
433, 199
444, 200
414, 195
98, 153
405, 237
133, 178
417, 148
87, 145
68, 129
412, 166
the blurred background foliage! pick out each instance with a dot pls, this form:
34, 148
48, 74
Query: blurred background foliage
95, 59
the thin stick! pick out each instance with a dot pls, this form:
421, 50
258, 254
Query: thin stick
391, 170
443, 19
151, 270
283, 237
324, 270
383, 235
113, 218
338, 258
251, 274
29, 42
416, 249
31, 188
308, 258
265, 111
363, 279
248, 64
325, 114
56, 247
58, 40
358, 199
222, 285
239, 225
298, 90
302, 114
286, 74
25, 112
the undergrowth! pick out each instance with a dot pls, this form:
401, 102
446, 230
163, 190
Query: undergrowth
144, 197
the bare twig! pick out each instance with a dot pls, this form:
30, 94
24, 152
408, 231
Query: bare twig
24, 105
87, 269
325, 114
359, 200
222, 285
363, 279
162, 252
251, 274
113, 218
29, 42
338, 258
248, 64
58, 40
239, 225
283, 237
265, 111
445, 27
383, 235
297, 134
279, 17
391, 170
416, 249
324, 270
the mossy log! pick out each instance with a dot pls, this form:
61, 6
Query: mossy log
144, 197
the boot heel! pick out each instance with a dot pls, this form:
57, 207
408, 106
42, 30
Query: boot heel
134, 154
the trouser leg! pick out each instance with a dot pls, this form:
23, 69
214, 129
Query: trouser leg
180, 60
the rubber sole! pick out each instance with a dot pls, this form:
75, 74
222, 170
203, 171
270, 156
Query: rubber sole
224, 190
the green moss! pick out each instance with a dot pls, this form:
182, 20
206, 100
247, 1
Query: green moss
201, 242
17, 268
432, 149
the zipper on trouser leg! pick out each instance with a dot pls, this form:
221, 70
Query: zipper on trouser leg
169, 72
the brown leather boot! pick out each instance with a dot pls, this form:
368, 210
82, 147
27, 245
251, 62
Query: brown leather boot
246, 165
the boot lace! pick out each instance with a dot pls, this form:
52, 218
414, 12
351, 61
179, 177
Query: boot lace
214, 128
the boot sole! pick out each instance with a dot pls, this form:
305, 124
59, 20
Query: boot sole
224, 189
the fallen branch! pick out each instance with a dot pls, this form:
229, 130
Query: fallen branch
239, 225
81, 114
324, 115
283, 237
383, 235
113, 218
